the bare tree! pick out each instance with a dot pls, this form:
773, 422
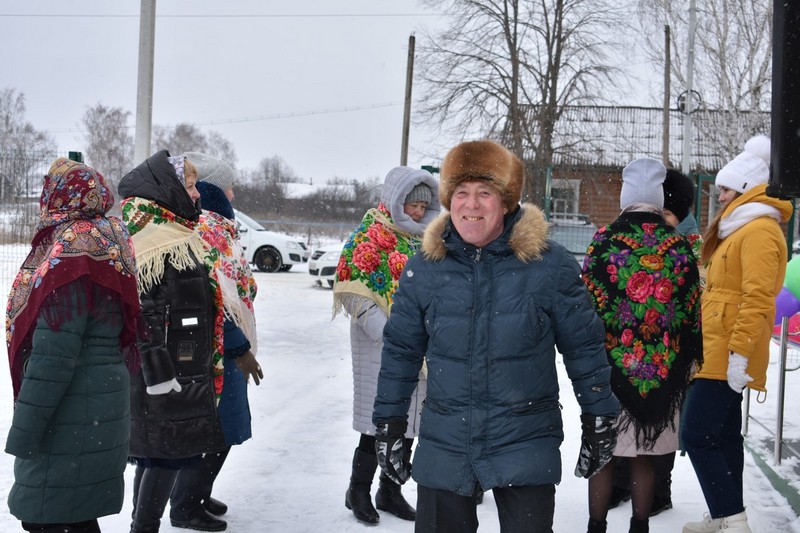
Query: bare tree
732, 60
275, 170
186, 137
499, 58
22, 148
264, 188
109, 146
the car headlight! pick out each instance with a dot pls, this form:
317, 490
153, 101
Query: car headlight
329, 256
293, 244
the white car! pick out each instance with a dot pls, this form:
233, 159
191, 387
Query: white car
267, 250
322, 265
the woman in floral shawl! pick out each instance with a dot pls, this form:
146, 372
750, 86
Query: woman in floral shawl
191, 503
174, 416
643, 280
366, 280
71, 327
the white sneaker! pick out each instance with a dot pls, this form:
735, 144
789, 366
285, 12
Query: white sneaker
736, 523
729, 524
708, 525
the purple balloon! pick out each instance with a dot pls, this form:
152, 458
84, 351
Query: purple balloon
786, 304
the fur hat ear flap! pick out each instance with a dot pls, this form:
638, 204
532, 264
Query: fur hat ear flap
482, 160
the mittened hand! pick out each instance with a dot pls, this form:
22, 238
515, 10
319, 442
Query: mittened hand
598, 440
249, 366
394, 457
164, 388
738, 378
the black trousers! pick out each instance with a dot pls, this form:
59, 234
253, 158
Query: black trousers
520, 510
193, 486
89, 526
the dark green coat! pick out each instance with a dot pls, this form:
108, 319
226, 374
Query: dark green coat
71, 423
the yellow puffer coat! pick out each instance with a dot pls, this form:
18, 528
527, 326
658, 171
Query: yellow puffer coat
743, 279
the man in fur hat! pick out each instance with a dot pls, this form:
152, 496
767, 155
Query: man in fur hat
486, 303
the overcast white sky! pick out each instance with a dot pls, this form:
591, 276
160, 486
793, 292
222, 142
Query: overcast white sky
273, 77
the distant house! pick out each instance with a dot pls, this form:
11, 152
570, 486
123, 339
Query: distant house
593, 143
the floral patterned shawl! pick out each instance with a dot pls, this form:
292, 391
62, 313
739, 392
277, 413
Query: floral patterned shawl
231, 271
373, 259
643, 281
159, 234
74, 239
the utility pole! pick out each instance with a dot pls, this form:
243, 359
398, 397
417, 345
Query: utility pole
665, 120
407, 107
689, 109
144, 90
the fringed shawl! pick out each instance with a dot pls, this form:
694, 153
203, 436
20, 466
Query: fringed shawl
372, 261
74, 240
159, 236
644, 284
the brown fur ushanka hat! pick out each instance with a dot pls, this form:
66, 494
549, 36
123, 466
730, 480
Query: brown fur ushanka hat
482, 161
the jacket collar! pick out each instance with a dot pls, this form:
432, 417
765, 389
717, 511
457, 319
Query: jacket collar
758, 194
525, 235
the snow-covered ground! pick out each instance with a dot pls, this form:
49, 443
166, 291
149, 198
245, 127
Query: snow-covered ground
291, 477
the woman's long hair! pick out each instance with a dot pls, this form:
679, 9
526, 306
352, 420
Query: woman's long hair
711, 238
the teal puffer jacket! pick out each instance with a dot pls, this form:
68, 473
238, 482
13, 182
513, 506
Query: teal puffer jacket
71, 424
488, 322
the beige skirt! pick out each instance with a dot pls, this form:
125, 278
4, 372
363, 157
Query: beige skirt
667, 442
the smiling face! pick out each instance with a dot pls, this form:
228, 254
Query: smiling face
476, 210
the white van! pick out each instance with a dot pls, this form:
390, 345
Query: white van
267, 250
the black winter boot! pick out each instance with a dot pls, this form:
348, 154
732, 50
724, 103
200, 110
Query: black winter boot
390, 499
151, 499
639, 526
357, 498
597, 526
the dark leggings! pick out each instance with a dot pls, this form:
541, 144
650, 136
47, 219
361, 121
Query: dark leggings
642, 484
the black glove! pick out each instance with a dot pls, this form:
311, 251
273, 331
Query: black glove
394, 456
598, 439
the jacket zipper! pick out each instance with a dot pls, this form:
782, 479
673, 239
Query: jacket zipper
166, 324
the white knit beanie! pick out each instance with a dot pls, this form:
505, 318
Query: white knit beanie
748, 169
212, 170
642, 181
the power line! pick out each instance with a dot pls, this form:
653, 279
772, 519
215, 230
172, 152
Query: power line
259, 118
288, 15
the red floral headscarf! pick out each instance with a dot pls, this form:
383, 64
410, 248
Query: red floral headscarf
74, 239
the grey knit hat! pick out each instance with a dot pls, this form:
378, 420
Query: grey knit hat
642, 181
212, 170
420, 193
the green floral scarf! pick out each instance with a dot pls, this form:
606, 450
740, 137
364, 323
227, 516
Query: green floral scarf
373, 259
